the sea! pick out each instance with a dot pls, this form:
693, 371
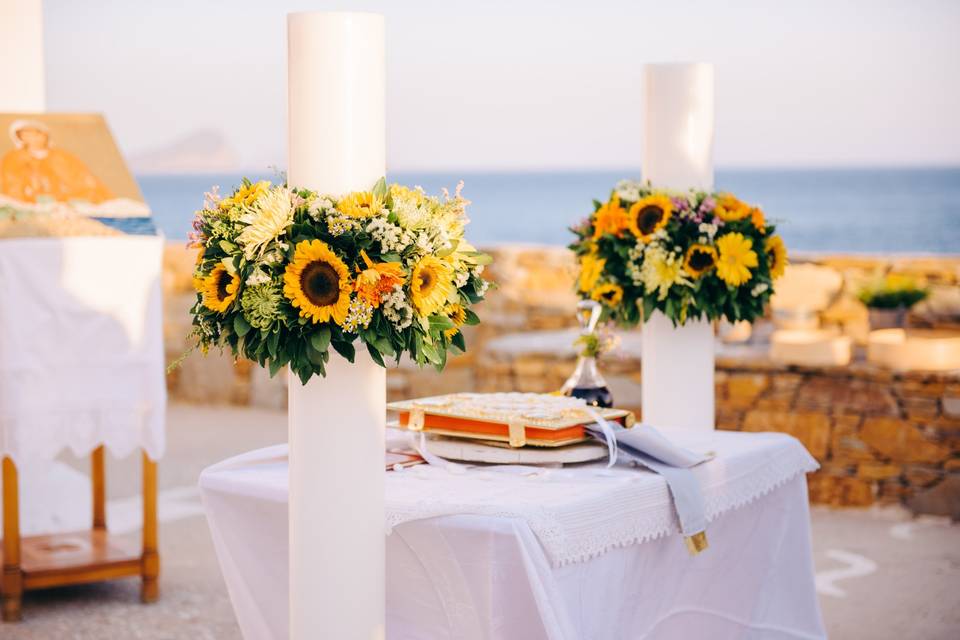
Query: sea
868, 211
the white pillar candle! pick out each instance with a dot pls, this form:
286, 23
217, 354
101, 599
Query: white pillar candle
21, 56
336, 66
678, 362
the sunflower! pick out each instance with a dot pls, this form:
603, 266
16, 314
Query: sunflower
361, 204
777, 255
649, 215
377, 279
591, 268
608, 293
700, 258
400, 192
219, 288
431, 285
736, 258
458, 316
318, 283
266, 221
730, 208
759, 222
609, 218
246, 195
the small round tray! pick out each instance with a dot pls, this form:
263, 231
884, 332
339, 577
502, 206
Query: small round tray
500, 453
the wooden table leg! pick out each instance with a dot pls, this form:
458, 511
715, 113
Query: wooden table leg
11, 585
99, 484
150, 561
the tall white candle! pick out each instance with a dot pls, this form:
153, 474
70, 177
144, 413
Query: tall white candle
336, 66
678, 362
21, 56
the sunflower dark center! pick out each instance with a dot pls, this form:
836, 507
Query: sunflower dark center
648, 218
609, 295
223, 280
320, 283
701, 260
426, 281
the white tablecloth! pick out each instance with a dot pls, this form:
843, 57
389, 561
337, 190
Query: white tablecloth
476, 575
81, 346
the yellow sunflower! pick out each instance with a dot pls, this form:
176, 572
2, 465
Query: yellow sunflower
318, 283
245, 195
400, 192
608, 293
736, 258
609, 218
591, 268
777, 255
699, 259
730, 208
649, 215
759, 222
361, 204
219, 288
457, 315
431, 285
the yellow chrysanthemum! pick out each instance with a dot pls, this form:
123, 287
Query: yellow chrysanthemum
661, 270
266, 220
758, 220
649, 215
591, 268
608, 293
457, 315
245, 195
730, 208
699, 259
361, 204
317, 283
609, 218
400, 192
777, 255
219, 288
736, 258
377, 279
431, 286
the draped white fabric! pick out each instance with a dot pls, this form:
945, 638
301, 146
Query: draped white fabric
81, 346
470, 573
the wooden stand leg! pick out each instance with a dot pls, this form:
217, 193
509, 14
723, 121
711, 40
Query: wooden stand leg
99, 484
150, 561
11, 585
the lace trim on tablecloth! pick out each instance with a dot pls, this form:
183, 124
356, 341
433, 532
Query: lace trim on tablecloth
578, 514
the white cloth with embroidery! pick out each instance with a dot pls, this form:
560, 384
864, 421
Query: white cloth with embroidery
577, 513
81, 346
457, 571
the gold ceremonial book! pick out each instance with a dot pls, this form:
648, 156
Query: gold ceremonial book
519, 419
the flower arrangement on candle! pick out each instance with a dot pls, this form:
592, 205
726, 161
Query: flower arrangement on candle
285, 274
689, 254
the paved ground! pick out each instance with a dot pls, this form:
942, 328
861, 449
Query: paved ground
880, 574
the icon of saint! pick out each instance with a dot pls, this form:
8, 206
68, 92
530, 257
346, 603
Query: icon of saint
37, 168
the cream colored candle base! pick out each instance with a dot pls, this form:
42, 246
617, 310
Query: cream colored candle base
336, 69
677, 373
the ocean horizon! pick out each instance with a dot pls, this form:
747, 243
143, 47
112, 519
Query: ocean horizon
849, 210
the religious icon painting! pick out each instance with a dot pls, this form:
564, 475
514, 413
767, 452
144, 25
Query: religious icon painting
63, 175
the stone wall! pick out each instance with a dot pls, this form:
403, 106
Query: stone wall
880, 436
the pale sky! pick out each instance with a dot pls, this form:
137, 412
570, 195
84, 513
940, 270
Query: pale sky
533, 84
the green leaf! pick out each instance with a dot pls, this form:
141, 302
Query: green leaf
375, 355
275, 365
442, 323
345, 349
240, 325
458, 341
380, 188
649, 304
478, 257
227, 246
445, 252
471, 318
273, 343
320, 339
